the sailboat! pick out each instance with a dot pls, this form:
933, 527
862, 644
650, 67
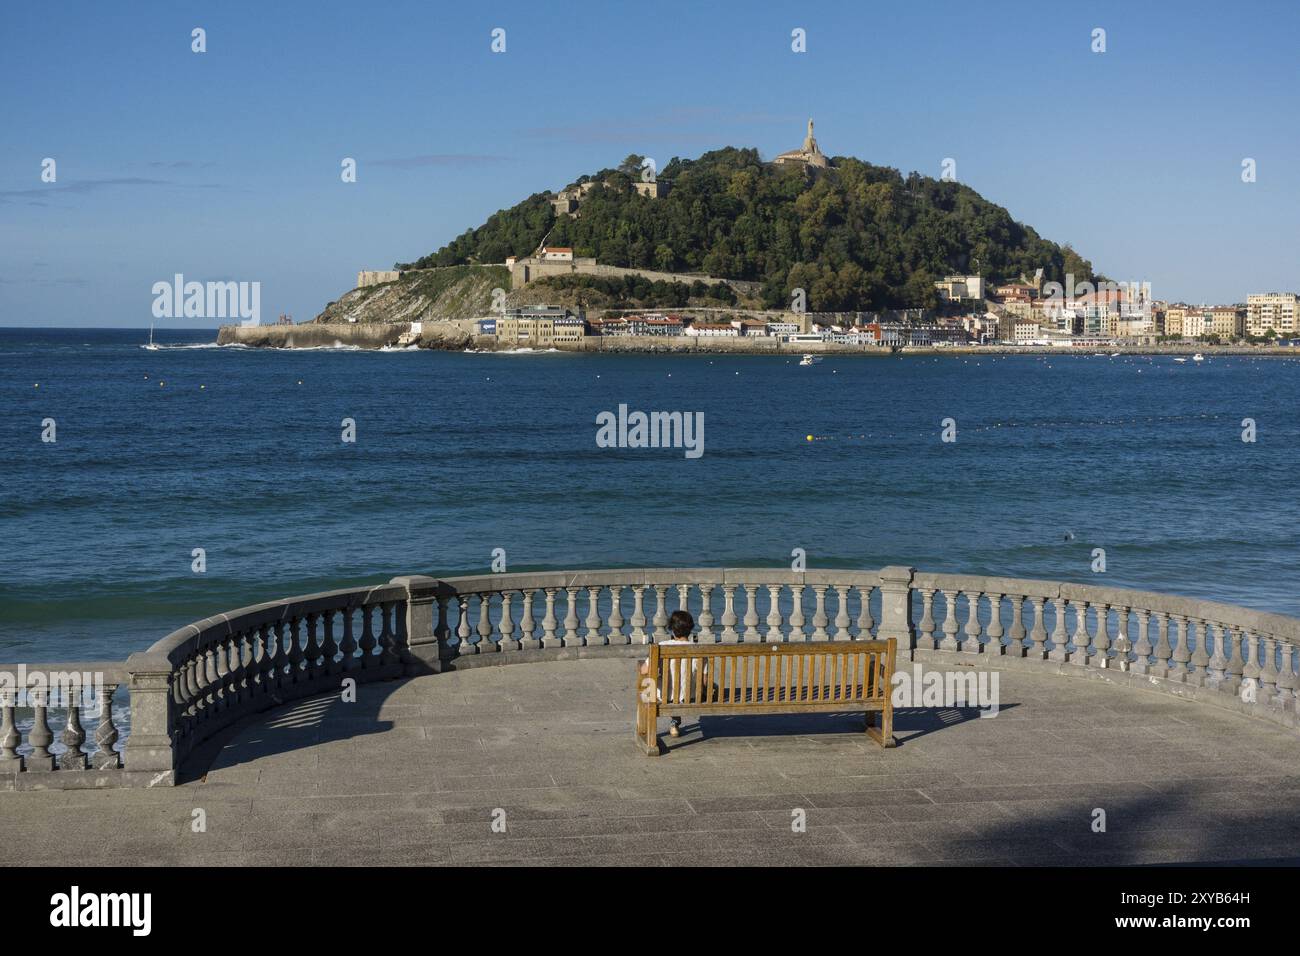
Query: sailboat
151, 345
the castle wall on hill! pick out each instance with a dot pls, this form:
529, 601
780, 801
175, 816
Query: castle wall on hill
531, 269
375, 277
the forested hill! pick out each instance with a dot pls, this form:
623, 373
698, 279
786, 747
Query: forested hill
854, 236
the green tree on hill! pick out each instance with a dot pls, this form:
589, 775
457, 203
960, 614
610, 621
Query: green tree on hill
855, 236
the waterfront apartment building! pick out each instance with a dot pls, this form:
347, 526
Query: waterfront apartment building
540, 326
712, 331
1271, 310
1227, 321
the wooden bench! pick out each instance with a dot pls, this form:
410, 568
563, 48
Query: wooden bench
737, 679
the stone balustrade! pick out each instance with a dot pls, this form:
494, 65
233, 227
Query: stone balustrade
211, 674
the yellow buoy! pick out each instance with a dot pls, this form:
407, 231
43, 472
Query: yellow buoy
810, 438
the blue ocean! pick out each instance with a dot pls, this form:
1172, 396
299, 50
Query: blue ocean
240, 453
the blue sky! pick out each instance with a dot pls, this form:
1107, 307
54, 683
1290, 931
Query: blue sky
226, 165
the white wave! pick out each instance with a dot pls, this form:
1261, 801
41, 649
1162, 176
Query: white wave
520, 351
200, 345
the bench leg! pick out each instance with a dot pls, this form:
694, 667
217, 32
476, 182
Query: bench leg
647, 729
884, 734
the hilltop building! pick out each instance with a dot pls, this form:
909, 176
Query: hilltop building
809, 154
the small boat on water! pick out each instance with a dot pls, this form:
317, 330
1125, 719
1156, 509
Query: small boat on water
810, 359
151, 345
1198, 357
1180, 360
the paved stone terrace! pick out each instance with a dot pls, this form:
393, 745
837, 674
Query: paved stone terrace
411, 773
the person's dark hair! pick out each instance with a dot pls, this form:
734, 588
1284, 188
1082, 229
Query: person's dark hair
680, 624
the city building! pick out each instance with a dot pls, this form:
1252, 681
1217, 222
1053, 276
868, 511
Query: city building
957, 288
540, 326
712, 331
1271, 310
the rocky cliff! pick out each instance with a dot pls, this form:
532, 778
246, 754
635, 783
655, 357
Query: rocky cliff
427, 295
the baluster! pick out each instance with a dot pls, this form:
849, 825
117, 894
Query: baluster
751, 614
1182, 653
1268, 673
1232, 651
390, 649
971, 642
1286, 682
571, 638
105, 756
616, 635
1016, 633
1122, 643
774, 635
639, 635
819, 619
729, 635
10, 738
661, 614
994, 632
349, 645
1037, 648
796, 613
1080, 654
236, 689
526, 623
1101, 640
866, 625
367, 642
215, 661
706, 635
212, 681
950, 627
329, 646
295, 647
507, 642
1163, 651
925, 631
1218, 663
463, 646
1250, 663
484, 644
592, 636
40, 737
312, 655
196, 672
549, 638
73, 757
1199, 669
842, 613
1060, 637
1142, 649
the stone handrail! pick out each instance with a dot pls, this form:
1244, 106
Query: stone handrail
209, 675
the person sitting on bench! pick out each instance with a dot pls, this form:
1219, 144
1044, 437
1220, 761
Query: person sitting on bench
680, 625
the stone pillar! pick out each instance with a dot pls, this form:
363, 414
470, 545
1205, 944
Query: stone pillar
425, 646
896, 609
150, 747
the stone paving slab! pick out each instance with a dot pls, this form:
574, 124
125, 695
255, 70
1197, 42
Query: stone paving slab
415, 772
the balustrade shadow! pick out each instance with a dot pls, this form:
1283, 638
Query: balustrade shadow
293, 725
